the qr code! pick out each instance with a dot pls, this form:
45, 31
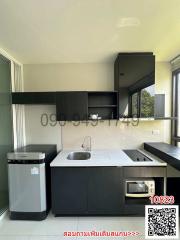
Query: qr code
162, 222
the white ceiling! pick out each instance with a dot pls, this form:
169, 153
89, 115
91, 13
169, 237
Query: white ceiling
55, 31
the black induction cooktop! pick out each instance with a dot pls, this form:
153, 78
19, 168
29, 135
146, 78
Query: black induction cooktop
137, 156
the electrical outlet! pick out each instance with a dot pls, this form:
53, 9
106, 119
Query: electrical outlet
156, 132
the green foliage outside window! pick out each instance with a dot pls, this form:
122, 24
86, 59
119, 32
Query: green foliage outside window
147, 104
146, 99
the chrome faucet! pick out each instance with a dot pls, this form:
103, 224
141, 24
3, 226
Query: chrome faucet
87, 143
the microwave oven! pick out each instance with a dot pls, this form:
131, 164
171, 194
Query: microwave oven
139, 188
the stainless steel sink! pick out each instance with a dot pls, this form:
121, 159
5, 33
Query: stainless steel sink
79, 156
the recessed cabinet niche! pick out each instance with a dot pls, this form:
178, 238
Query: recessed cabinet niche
103, 104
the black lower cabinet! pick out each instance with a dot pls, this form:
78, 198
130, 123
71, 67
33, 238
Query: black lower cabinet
105, 190
69, 190
101, 190
86, 191
173, 184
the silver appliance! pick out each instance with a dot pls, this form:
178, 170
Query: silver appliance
29, 184
139, 188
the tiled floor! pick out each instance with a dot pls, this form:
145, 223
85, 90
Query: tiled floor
53, 228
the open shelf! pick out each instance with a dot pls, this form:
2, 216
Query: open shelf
159, 191
104, 113
104, 104
102, 98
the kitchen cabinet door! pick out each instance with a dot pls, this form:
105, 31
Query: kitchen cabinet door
105, 190
71, 106
69, 190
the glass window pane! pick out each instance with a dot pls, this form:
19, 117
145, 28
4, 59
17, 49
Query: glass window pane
178, 104
134, 104
6, 144
147, 102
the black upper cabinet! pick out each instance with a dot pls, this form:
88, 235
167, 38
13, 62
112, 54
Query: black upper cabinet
74, 105
33, 98
134, 71
134, 78
71, 106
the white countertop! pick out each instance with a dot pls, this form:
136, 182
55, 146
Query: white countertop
105, 158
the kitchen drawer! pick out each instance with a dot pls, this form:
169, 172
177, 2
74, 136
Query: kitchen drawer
130, 172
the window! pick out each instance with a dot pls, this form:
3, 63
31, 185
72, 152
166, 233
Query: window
176, 109
142, 102
135, 104
147, 102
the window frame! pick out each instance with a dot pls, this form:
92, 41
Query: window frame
175, 139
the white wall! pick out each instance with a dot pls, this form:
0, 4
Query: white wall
56, 77
65, 77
